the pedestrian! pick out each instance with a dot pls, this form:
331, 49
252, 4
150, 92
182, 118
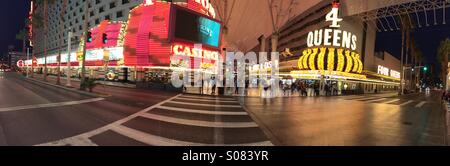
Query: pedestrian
213, 84
236, 89
316, 89
293, 88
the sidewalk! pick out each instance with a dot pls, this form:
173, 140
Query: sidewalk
446, 107
76, 80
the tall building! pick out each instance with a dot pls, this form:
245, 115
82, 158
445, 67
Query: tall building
99, 10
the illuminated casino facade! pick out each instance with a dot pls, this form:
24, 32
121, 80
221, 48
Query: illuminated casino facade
141, 47
320, 47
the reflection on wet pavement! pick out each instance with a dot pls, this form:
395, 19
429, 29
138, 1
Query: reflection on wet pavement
332, 121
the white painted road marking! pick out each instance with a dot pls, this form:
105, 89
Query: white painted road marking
200, 123
218, 101
206, 105
421, 104
91, 133
377, 99
208, 98
50, 105
201, 111
405, 103
161, 141
392, 101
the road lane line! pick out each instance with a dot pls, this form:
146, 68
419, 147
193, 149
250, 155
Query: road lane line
406, 103
376, 100
206, 105
200, 123
218, 101
207, 97
162, 141
421, 104
97, 131
50, 105
201, 111
392, 101
365, 98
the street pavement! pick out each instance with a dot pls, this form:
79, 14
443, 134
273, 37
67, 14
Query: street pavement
358, 120
32, 113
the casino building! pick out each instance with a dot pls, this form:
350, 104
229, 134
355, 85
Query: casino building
141, 47
320, 48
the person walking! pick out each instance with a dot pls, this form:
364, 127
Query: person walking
213, 84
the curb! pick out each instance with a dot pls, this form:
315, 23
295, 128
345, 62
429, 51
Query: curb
68, 89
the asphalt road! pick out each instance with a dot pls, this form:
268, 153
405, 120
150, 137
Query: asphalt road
33, 113
381, 119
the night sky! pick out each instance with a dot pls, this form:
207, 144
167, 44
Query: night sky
13, 14
427, 38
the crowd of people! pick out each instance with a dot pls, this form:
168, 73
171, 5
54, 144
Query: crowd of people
304, 88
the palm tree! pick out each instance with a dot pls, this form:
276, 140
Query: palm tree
36, 22
406, 27
417, 59
23, 36
45, 4
443, 53
61, 35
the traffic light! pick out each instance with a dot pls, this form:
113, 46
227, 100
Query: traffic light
89, 37
105, 38
425, 68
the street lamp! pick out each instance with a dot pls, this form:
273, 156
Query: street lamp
69, 47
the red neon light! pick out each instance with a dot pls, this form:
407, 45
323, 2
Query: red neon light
111, 29
146, 41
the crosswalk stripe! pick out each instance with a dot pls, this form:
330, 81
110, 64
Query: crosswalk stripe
200, 123
392, 101
48, 105
352, 98
380, 99
406, 103
218, 101
365, 98
162, 141
207, 97
208, 105
201, 111
421, 104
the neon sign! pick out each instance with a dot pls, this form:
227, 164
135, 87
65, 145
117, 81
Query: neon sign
388, 72
179, 49
330, 36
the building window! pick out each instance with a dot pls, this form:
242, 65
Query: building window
107, 17
97, 21
101, 10
112, 5
119, 14
125, 1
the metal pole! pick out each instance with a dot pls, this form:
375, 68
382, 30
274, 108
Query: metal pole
69, 47
28, 58
401, 63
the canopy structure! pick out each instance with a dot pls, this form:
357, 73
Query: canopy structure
385, 14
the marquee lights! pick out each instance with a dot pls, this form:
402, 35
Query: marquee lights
332, 50
326, 58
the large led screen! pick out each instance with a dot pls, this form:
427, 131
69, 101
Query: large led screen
196, 28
